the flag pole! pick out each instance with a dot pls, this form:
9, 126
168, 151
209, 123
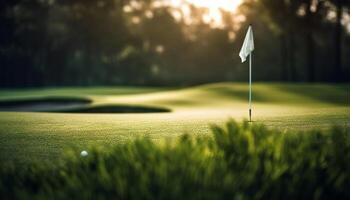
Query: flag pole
250, 86
247, 50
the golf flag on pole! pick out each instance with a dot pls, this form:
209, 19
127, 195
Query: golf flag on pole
248, 45
247, 50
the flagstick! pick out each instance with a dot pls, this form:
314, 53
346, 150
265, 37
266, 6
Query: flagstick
250, 87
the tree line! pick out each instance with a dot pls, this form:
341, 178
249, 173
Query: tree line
145, 42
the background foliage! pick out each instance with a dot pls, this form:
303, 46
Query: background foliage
143, 42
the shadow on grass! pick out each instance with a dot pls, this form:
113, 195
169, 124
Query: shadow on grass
241, 93
291, 93
334, 94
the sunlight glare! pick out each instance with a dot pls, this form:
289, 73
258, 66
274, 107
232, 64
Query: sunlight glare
213, 6
227, 5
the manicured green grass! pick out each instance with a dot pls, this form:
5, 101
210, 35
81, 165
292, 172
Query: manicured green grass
237, 161
44, 136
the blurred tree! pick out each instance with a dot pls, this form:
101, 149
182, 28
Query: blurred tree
86, 42
283, 20
7, 30
309, 25
29, 41
340, 4
99, 33
313, 13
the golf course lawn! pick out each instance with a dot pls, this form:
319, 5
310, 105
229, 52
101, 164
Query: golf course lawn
29, 136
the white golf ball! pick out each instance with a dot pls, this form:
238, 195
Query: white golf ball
84, 153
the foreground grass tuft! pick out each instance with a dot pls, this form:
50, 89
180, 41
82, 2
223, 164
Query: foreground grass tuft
240, 161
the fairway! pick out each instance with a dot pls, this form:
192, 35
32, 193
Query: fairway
28, 136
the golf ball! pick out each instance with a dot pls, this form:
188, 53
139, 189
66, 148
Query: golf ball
84, 153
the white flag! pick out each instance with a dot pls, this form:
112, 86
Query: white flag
248, 45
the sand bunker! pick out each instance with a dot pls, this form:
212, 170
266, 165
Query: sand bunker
72, 105
42, 105
117, 109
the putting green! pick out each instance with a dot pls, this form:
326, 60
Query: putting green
26, 136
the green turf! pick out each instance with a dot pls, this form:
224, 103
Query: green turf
30, 136
239, 161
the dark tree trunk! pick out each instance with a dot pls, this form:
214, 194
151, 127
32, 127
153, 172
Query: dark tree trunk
88, 63
284, 56
310, 47
337, 77
291, 59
